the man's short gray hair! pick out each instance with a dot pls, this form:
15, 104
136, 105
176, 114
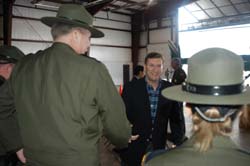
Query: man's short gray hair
60, 29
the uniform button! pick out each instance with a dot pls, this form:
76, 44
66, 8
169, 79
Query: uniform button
152, 128
147, 140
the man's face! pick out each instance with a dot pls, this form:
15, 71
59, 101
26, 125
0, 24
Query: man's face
81, 40
154, 69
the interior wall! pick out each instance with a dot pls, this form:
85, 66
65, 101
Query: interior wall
156, 38
114, 50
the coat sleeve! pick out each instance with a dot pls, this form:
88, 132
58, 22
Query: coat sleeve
112, 109
177, 123
126, 98
9, 130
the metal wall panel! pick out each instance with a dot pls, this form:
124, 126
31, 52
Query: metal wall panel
114, 38
113, 16
30, 30
31, 13
160, 35
112, 24
111, 54
29, 47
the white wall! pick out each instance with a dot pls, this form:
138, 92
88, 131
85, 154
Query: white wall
157, 41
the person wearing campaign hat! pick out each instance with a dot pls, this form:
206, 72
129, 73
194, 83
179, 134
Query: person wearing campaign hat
215, 92
64, 101
9, 55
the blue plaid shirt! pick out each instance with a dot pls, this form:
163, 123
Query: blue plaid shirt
153, 99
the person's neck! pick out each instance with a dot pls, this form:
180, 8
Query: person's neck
154, 84
137, 77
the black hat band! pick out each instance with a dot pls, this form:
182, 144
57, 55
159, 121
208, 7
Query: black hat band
213, 90
6, 59
71, 19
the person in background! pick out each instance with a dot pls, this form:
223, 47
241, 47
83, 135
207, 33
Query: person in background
215, 92
9, 56
64, 101
138, 73
179, 75
149, 112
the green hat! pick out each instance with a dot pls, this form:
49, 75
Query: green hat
76, 15
215, 77
10, 54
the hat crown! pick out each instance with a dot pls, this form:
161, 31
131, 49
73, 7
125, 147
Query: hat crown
215, 66
75, 12
11, 52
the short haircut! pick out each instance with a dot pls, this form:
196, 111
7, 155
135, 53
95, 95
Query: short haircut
153, 55
60, 29
137, 69
176, 61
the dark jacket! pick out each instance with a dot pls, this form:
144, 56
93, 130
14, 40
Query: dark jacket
179, 76
138, 112
2, 149
2, 80
64, 102
223, 153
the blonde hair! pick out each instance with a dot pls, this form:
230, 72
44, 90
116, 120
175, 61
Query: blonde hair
204, 131
245, 118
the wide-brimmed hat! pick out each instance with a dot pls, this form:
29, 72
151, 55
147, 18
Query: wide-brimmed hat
10, 54
76, 15
215, 77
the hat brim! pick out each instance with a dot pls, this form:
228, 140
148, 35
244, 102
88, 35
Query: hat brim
176, 93
95, 33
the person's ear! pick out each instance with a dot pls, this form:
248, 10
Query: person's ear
9, 67
75, 35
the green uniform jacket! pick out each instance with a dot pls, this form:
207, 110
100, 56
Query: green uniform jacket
223, 153
64, 103
9, 141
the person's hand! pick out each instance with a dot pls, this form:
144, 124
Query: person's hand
133, 138
21, 156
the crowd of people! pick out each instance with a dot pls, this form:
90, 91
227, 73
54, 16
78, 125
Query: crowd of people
56, 105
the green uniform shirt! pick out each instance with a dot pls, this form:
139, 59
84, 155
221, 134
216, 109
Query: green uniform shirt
64, 103
223, 153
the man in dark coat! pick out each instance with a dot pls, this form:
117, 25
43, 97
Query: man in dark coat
149, 113
9, 55
138, 73
179, 75
64, 102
